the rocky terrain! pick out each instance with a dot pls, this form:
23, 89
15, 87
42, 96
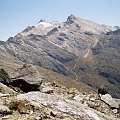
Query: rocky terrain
51, 101
68, 71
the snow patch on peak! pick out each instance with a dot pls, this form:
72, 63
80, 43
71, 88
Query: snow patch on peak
45, 24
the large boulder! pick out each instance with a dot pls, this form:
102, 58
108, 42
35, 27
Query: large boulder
27, 72
4, 77
25, 86
109, 100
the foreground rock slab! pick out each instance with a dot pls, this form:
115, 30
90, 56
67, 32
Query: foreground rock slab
63, 105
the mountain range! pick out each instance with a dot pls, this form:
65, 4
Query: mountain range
78, 49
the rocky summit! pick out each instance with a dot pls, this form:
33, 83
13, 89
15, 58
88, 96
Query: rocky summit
61, 71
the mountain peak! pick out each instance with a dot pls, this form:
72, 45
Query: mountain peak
71, 19
42, 20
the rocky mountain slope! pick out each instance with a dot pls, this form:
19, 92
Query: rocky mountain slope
52, 100
81, 49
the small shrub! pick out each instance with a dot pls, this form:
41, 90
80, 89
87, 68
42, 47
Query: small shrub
72, 90
22, 106
13, 104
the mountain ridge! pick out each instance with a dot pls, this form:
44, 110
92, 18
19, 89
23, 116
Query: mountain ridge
70, 48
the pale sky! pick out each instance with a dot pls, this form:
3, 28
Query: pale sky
16, 15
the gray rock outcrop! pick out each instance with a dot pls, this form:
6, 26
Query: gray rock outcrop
109, 100
4, 110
